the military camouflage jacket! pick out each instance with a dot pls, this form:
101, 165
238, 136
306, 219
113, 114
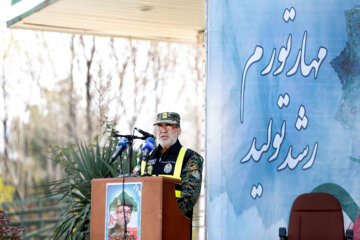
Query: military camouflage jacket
117, 233
191, 173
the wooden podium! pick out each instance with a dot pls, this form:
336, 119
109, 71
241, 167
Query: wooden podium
161, 217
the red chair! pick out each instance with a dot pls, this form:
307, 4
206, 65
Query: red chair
316, 216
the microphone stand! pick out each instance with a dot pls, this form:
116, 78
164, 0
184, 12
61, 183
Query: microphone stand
129, 151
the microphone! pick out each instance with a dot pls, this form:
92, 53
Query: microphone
146, 134
121, 147
149, 146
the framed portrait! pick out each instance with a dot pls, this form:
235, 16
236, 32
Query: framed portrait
123, 211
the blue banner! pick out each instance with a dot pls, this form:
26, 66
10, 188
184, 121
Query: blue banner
283, 111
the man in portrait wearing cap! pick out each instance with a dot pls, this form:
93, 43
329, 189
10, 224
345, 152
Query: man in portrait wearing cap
170, 158
117, 223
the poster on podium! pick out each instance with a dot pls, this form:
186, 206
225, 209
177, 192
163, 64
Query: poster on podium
123, 211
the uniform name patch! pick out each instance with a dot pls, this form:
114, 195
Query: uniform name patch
151, 162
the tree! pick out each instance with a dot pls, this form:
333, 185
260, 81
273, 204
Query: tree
10, 46
72, 122
89, 80
89, 62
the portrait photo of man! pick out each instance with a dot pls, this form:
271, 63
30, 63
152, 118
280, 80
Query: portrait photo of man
120, 220
123, 217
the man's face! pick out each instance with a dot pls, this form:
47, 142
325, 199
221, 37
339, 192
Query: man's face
167, 134
120, 215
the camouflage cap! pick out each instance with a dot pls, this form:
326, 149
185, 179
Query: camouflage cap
168, 117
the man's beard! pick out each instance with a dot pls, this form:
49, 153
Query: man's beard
168, 142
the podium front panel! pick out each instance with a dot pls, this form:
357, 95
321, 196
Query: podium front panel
155, 213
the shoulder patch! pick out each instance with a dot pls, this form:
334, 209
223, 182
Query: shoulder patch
196, 174
193, 166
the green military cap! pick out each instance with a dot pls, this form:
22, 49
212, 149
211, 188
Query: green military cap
125, 202
168, 117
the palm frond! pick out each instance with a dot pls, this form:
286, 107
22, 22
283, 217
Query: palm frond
81, 164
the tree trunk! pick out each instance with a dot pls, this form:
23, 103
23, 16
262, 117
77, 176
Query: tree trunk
72, 124
88, 88
5, 130
20, 161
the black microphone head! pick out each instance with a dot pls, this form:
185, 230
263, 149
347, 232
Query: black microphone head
145, 134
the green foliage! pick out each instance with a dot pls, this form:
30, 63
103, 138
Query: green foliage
81, 164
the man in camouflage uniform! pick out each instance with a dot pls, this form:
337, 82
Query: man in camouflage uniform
116, 226
171, 158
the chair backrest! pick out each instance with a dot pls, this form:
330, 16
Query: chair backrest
316, 216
